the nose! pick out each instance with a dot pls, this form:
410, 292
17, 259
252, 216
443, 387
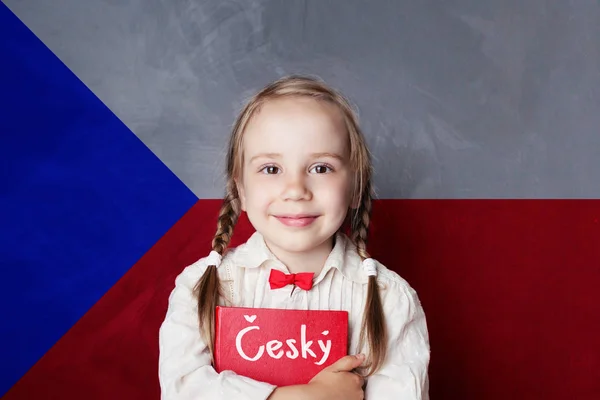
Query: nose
296, 187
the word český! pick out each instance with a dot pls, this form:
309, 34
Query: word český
274, 347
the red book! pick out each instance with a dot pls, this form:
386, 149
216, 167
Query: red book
278, 346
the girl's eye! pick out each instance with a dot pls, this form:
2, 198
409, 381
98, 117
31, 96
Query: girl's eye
270, 170
321, 169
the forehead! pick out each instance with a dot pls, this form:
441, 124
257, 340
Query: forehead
296, 125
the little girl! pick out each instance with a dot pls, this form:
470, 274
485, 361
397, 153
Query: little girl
298, 165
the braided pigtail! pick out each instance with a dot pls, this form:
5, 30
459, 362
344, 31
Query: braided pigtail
373, 328
208, 288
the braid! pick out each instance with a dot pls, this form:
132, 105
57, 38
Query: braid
373, 328
208, 287
362, 220
228, 216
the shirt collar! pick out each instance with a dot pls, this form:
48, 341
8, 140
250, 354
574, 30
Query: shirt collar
344, 257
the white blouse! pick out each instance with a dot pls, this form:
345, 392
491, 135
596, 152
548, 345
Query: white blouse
185, 371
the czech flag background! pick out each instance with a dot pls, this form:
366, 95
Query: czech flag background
483, 118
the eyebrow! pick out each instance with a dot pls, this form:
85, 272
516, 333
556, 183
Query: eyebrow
265, 155
331, 155
313, 155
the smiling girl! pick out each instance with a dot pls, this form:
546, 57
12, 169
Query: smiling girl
299, 167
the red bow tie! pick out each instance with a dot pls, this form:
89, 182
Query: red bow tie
278, 279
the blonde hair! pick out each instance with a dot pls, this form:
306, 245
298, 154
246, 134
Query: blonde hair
208, 288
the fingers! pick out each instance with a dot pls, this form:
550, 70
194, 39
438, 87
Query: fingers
359, 380
348, 363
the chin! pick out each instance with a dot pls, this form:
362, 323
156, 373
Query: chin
297, 242
290, 239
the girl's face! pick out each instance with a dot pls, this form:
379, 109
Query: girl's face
296, 182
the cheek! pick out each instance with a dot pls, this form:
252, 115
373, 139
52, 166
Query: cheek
258, 193
337, 194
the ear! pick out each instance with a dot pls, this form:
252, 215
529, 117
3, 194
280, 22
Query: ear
354, 203
242, 194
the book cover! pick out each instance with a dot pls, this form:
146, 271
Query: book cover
279, 346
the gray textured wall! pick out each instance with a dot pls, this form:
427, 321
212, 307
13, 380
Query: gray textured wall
458, 99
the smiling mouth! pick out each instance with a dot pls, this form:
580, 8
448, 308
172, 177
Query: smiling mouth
296, 220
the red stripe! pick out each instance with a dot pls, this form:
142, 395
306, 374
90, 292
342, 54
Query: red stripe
509, 288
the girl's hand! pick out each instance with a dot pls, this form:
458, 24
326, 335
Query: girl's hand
334, 382
338, 381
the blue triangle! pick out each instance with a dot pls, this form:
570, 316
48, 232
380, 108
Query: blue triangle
81, 199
